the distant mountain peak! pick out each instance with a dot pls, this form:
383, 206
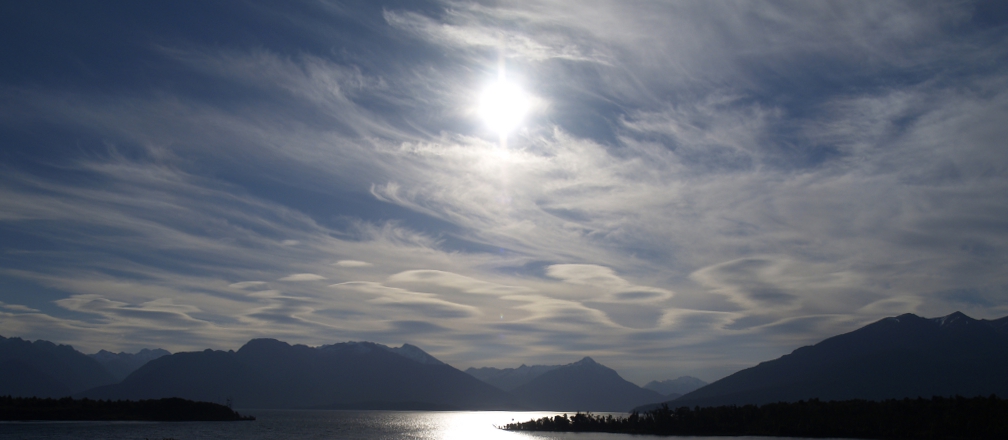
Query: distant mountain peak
262, 344
122, 364
145, 353
903, 317
361, 346
678, 386
415, 353
956, 318
584, 385
407, 351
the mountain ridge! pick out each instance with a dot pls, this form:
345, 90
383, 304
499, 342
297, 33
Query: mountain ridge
677, 386
122, 364
45, 369
894, 357
508, 379
584, 385
268, 373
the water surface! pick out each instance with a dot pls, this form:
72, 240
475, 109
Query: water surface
278, 424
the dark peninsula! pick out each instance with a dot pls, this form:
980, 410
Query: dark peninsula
160, 410
937, 418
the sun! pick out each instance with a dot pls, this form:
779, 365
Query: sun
503, 106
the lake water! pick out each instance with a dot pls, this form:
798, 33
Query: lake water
276, 424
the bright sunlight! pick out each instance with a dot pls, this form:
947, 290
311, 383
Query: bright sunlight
503, 106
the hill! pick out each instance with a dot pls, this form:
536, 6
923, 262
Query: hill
894, 358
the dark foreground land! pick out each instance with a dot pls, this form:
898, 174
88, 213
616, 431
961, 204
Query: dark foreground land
937, 418
161, 410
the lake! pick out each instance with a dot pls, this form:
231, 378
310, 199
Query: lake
279, 424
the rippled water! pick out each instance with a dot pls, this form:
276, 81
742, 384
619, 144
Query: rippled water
274, 424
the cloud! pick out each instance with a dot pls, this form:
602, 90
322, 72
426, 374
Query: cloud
18, 308
422, 304
160, 313
352, 263
605, 279
303, 277
438, 280
479, 28
248, 285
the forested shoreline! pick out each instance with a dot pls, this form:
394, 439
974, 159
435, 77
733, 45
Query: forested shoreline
69, 409
935, 418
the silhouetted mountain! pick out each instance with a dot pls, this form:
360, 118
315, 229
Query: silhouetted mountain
999, 325
678, 387
905, 356
266, 373
44, 369
415, 353
508, 379
583, 386
122, 364
17, 378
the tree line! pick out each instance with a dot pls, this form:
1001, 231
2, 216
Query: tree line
936, 418
165, 410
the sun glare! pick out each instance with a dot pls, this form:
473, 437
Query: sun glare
503, 106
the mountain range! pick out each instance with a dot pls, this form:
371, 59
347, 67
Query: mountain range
584, 385
903, 356
508, 379
267, 373
897, 357
122, 364
673, 388
45, 369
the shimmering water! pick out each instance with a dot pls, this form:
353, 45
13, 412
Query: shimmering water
274, 424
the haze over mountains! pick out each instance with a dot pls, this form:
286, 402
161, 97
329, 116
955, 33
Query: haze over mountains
122, 364
903, 356
508, 379
584, 385
673, 388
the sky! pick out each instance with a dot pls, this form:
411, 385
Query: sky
693, 187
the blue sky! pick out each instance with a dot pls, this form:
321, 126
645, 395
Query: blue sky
694, 188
